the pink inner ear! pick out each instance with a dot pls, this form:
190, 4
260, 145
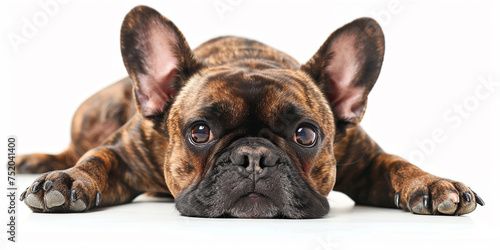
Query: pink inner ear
161, 69
342, 70
156, 93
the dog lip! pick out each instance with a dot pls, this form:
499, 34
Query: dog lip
254, 195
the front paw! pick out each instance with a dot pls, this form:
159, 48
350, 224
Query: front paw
433, 195
62, 191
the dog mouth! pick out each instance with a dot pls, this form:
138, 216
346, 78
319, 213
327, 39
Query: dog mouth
255, 196
252, 197
253, 205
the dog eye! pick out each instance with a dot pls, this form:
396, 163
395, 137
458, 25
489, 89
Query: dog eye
305, 136
201, 133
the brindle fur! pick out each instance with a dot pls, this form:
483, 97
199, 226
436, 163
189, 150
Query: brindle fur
117, 154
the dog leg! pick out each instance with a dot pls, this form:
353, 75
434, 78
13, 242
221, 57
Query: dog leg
372, 177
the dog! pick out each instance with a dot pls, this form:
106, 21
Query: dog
235, 128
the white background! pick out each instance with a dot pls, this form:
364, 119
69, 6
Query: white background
437, 52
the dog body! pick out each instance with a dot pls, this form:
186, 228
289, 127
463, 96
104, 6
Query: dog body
235, 128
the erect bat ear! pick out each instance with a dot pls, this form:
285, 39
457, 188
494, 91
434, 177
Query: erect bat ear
157, 58
346, 68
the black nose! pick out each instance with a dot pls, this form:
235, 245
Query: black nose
253, 159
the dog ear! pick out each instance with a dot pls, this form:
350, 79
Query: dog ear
157, 58
346, 68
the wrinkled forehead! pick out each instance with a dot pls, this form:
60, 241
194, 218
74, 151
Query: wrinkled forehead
242, 96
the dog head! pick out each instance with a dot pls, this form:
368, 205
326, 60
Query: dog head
249, 135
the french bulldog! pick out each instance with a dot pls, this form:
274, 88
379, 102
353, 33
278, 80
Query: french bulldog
235, 128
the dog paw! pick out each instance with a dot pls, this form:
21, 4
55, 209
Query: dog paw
38, 163
61, 191
432, 195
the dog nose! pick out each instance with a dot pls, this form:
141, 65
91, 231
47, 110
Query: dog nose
253, 159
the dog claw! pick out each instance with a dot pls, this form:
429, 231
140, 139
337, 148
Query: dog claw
425, 201
396, 199
98, 199
23, 195
73, 195
34, 188
468, 197
47, 185
478, 199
